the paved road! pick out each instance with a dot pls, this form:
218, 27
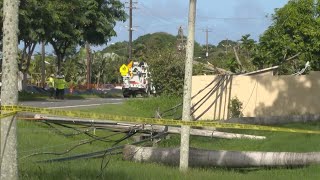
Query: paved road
83, 103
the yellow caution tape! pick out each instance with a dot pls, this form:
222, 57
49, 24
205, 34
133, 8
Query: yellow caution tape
8, 114
170, 122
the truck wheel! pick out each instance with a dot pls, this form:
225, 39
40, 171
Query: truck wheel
126, 94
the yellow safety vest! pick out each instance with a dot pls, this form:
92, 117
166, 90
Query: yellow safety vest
60, 83
51, 82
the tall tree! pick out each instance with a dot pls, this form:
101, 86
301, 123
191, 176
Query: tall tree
74, 22
247, 45
9, 90
30, 31
295, 30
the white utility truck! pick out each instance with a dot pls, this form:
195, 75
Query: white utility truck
136, 80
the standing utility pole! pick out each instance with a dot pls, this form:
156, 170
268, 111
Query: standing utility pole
186, 111
227, 46
130, 30
9, 90
207, 43
181, 45
88, 52
43, 64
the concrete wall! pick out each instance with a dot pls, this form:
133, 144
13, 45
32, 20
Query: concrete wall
261, 95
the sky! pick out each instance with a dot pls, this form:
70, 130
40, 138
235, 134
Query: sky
226, 19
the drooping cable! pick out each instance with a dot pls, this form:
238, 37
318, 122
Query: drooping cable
218, 96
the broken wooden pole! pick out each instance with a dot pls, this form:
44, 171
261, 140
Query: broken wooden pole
212, 158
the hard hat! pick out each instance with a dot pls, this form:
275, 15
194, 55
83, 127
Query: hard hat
52, 75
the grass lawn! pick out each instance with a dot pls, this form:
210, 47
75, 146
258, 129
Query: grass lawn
38, 137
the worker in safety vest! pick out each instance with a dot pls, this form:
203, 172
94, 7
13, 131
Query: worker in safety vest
50, 83
130, 67
60, 84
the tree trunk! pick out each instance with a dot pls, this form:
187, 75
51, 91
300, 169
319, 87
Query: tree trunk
210, 158
59, 59
26, 57
9, 90
24, 79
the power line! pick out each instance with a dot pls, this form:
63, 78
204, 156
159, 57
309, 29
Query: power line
236, 18
150, 12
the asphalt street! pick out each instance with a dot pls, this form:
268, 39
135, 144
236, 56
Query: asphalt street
82, 103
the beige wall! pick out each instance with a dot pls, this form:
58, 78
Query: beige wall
261, 95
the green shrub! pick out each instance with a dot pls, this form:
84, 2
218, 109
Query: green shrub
235, 108
167, 68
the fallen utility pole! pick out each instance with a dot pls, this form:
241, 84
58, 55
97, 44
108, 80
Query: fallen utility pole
229, 159
276, 120
237, 57
210, 67
155, 128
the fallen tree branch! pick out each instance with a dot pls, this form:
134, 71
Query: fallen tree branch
292, 57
